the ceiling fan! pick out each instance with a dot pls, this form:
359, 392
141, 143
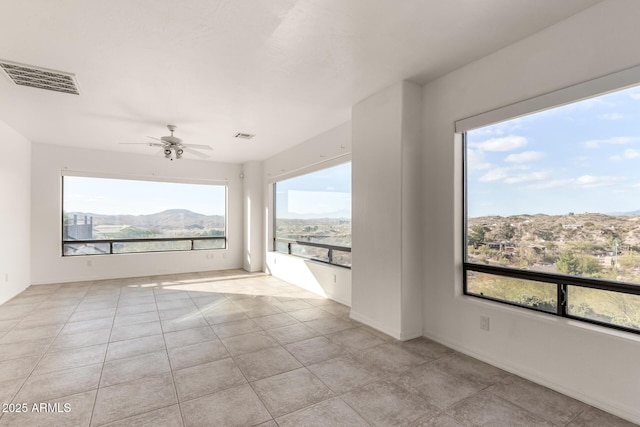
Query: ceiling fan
172, 146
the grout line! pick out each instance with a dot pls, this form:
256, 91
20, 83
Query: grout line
94, 285
45, 350
166, 348
105, 356
231, 356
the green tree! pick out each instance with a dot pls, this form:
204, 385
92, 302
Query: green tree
476, 236
578, 265
567, 263
505, 232
589, 265
545, 234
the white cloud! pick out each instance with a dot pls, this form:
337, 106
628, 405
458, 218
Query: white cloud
584, 181
554, 183
476, 161
619, 140
611, 116
495, 174
506, 143
590, 181
513, 175
582, 161
524, 157
527, 177
635, 95
629, 153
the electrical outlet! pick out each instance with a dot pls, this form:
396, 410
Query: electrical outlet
335, 279
484, 323
89, 263
6, 277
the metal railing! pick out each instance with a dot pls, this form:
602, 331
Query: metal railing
561, 281
112, 242
330, 249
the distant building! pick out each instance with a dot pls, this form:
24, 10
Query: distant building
571, 226
78, 229
504, 246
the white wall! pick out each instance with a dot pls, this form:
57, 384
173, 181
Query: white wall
47, 263
377, 212
412, 243
15, 213
253, 231
325, 150
596, 365
386, 211
317, 277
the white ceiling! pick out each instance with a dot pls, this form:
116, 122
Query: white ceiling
285, 70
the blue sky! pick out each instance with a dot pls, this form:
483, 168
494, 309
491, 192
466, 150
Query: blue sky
582, 157
322, 194
133, 197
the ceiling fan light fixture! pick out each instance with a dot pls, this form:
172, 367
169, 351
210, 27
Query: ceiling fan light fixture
172, 147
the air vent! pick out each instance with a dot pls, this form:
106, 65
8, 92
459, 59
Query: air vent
243, 135
41, 78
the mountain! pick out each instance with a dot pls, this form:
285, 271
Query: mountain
166, 220
587, 229
631, 213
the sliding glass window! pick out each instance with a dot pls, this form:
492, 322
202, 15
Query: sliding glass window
313, 215
109, 216
553, 210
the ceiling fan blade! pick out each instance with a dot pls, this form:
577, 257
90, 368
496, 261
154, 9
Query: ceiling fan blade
153, 137
198, 146
148, 144
194, 152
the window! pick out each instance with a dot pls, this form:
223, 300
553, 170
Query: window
313, 215
552, 202
111, 216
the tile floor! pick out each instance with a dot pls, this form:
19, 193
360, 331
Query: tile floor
229, 348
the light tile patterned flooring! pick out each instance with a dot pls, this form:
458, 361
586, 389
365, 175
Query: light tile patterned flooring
230, 348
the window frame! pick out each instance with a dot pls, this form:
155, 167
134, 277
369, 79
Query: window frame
290, 242
589, 89
111, 242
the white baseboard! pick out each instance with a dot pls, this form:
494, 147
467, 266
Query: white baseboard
399, 335
629, 414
